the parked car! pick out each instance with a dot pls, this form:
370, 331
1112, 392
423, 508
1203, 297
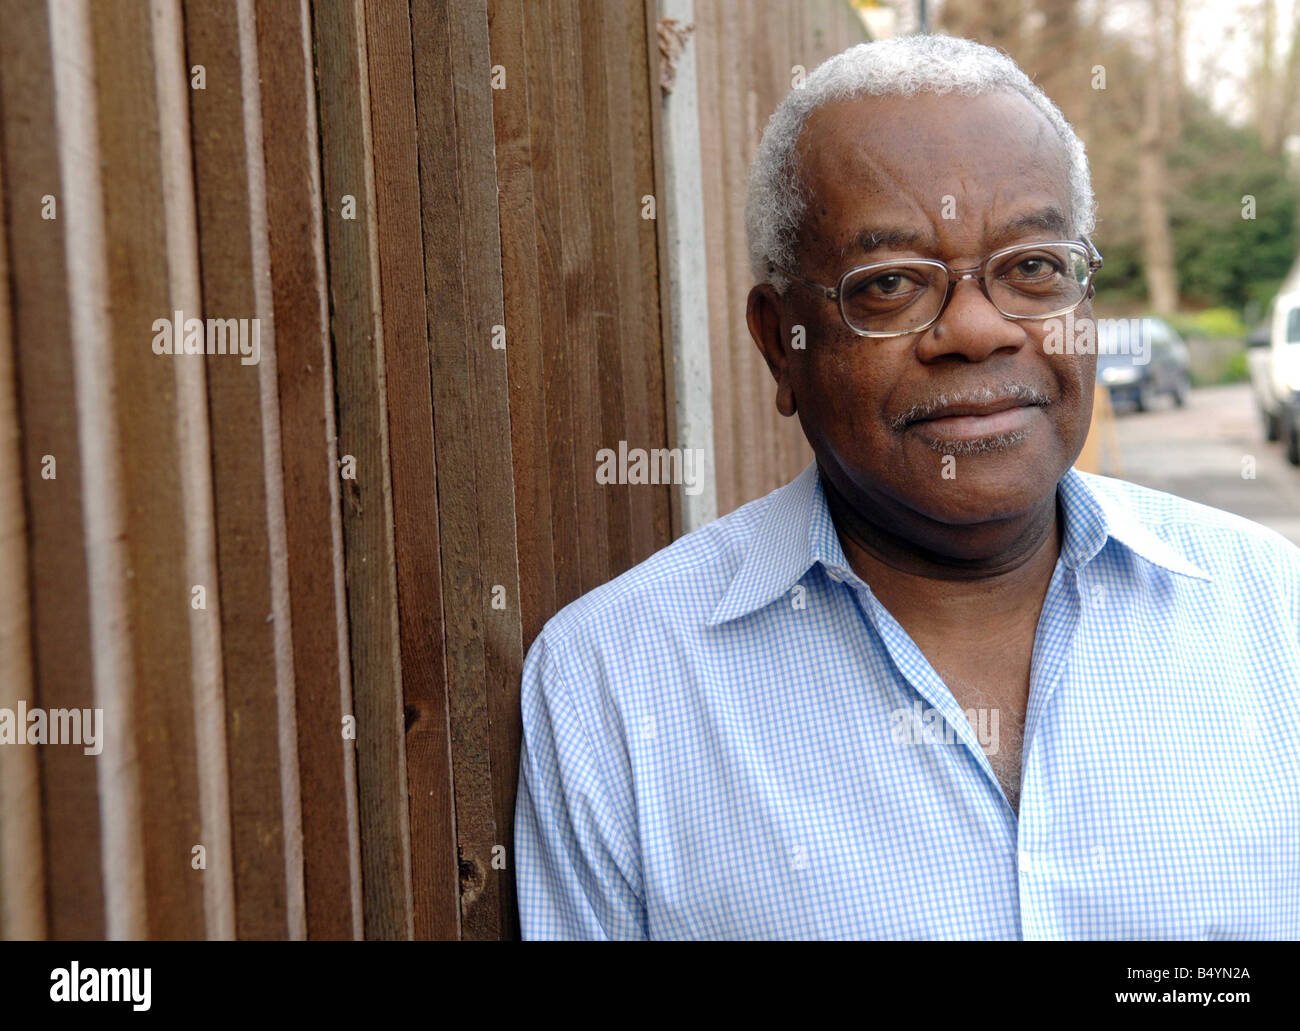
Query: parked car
1259, 360
1138, 360
1273, 356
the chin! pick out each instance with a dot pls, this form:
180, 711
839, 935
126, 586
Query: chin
989, 481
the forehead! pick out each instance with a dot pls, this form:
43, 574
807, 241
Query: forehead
900, 159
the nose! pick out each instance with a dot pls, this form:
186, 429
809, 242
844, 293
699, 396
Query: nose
970, 328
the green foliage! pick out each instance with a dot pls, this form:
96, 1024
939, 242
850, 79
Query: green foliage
1222, 258
1121, 277
1212, 322
1235, 369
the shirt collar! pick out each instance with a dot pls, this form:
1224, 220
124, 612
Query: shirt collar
797, 532
1093, 516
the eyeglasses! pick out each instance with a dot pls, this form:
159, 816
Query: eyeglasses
1028, 281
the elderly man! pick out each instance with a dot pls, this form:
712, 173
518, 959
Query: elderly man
941, 685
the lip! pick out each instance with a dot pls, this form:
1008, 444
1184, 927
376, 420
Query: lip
974, 421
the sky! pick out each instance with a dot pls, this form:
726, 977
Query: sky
1221, 40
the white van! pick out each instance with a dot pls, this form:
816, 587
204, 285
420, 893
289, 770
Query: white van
1274, 361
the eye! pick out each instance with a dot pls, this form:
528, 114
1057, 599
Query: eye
888, 284
1032, 268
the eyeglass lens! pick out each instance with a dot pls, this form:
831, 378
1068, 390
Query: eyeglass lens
1031, 282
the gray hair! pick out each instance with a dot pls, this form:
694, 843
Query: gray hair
898, 67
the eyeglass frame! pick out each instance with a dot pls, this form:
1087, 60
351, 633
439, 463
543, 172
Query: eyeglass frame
955, 276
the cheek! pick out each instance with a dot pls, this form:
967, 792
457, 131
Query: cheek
848, 383
1075, 378
842, 408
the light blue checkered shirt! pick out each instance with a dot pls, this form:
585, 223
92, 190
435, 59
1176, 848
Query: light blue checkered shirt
712, 743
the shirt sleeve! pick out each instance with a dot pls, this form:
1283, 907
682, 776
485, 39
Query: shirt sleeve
575, 870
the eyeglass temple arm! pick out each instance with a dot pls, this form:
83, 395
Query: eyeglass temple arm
1095, 259
829, 292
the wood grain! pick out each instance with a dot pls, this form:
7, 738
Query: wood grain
323, 840
46, 396
433, 871
144, 408
226, 224
22, 858
356, 320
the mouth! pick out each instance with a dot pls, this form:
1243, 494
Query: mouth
970, 422
965, 423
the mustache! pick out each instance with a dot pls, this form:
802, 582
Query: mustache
1023, 393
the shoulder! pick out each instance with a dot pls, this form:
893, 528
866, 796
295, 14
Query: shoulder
1221, 543
678, 586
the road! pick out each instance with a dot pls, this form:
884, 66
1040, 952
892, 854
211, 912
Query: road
1199, 452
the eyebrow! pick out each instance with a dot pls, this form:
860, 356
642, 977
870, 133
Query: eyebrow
871, 239
1048, 220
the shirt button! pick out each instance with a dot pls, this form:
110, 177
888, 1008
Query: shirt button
1026, 862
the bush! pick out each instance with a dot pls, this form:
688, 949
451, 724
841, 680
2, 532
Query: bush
1212, 322
1235, 369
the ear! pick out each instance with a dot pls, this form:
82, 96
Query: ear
764, 314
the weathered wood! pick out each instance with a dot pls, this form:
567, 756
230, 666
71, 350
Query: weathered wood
320, 793
433, 870
723, 319
639, 82
235, 273
557, 347
609, 307
471, 409
195, 459
404, 597
22, 858
141, 391
357, 324
46, 395
579, 292
521, 148
666, 349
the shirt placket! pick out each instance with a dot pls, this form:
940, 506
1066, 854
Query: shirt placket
1058, 625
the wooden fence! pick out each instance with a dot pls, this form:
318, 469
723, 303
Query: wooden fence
298, 580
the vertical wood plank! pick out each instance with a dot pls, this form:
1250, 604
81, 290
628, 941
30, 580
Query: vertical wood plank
22, 858
529, 288
608, 316
321, 788
234, 272
656, 106
751, 421
45, 368
577, 263
471, 407
643, 88
557, 362
158, 596
357, 324
722, 319
434, 872
637, 349
194, 456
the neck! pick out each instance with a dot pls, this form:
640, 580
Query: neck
960, 576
